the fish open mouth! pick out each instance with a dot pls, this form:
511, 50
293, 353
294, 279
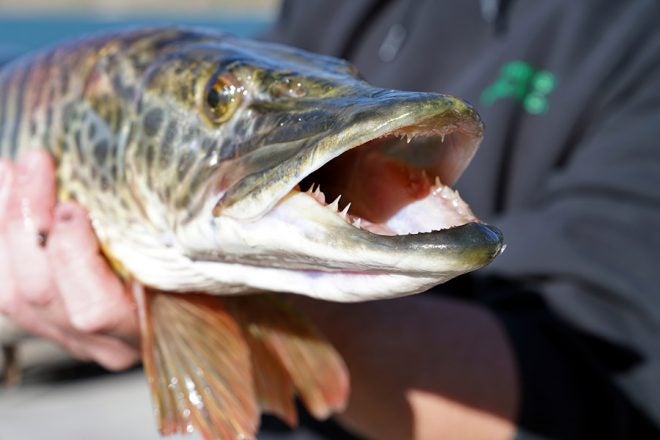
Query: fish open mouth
399, 183
365, 209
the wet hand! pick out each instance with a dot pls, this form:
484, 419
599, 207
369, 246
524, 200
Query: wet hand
54, 282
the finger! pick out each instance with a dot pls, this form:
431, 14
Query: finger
34, 190
93, 295
29, 213
52, 322
7, 295
39, 321
111, 353
6, 178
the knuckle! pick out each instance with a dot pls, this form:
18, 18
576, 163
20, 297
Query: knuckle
88, 322
95, 317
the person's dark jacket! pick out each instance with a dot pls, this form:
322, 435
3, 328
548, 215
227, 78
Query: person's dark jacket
569, 170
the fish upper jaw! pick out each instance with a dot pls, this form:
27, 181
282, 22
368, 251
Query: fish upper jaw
367, 117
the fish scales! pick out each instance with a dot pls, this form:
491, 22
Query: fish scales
189, 148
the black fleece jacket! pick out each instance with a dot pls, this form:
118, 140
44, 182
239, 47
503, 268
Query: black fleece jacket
569, 170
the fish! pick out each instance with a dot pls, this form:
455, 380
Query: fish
221, 174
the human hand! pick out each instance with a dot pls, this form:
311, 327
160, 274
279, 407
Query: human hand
53, 280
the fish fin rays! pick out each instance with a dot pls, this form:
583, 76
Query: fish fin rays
289, 340
274, 388
214, 363
198, 366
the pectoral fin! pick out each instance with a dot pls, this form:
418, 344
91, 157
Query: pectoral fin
316, 369
214, 363
198, 366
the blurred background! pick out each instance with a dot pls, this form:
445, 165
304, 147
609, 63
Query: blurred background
29, 24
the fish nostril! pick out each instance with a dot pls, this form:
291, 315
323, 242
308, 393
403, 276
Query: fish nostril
288, 87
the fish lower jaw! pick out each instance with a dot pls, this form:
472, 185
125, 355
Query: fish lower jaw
168, 269
320, 284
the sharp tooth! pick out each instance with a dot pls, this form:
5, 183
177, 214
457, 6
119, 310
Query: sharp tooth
357, 222
408, 138
335, 205
442, 137
344, 212
311, 188
446, 193
437, 181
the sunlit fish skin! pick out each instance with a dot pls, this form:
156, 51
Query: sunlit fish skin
213, 164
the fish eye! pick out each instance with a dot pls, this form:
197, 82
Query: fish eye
221, 99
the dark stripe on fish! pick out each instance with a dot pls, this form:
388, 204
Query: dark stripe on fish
23, 73
4, 96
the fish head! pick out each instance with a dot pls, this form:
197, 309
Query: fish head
305, 178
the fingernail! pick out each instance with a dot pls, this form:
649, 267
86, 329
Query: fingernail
88, 317
82, 320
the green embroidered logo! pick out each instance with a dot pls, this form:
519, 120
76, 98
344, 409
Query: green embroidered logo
520, 81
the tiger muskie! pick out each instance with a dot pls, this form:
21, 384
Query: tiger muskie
220, 167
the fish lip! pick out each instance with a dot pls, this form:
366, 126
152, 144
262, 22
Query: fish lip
475, 243
418, 113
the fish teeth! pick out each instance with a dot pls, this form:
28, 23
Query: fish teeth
437, 181
318, 194
335, 205
357, 222
447, 193
344, 212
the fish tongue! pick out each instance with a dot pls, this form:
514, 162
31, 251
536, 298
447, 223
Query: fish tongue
212, 362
